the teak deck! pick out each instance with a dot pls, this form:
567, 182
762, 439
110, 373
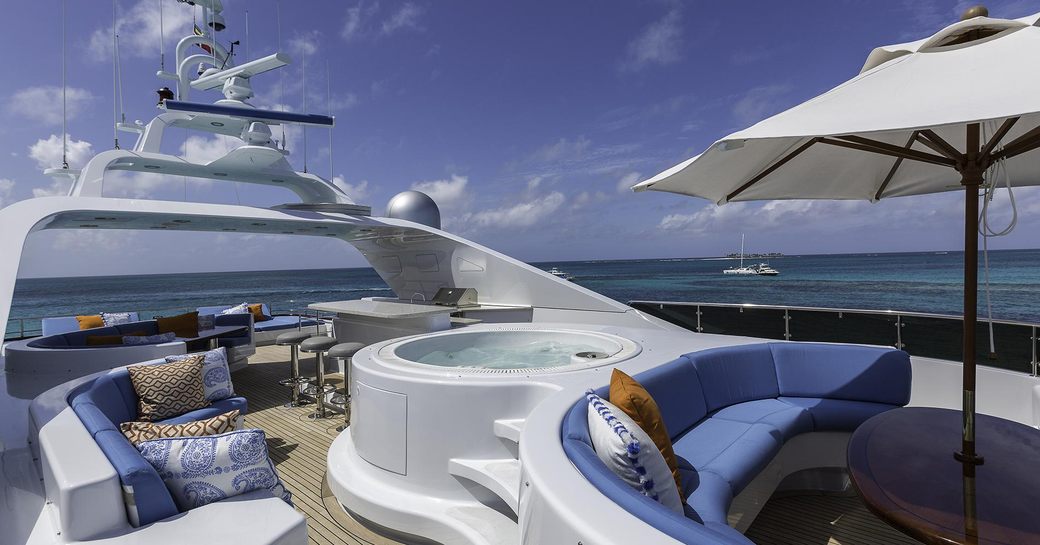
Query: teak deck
299, 447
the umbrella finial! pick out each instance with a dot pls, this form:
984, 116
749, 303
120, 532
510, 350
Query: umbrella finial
975, 11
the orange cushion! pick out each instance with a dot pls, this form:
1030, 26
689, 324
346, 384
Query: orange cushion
185, 325
90, 322
257, 311
630, 396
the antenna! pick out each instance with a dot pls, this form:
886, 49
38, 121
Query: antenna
247, 36
328, 106
162, 40
115, 78
281, 75
64, 103
305, 111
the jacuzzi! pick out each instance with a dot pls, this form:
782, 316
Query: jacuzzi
509, 351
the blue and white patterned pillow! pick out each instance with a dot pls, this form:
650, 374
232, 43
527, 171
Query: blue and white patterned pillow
115, 318
237, 309
202, 470
136, 340
216, 377
629, 452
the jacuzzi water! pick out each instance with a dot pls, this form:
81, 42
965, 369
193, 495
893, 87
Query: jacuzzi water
511, 349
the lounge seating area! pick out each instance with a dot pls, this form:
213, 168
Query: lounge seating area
160, 442
740, 419
266, 326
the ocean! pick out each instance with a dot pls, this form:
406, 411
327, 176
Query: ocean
921, 282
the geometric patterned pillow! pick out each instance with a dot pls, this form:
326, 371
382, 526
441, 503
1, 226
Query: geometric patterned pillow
115, 318
135, 340
168, 389
202, 470
147, 431
237, 309
216, 377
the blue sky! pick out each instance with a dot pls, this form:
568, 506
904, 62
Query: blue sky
526, 121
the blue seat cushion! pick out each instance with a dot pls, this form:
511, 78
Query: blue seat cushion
216, 408
786, 418
855, 373
735, 374
677, 391
708, 495
838, 414
151, 497
735, 451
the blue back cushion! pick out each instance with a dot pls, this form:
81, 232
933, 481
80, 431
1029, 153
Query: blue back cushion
677, 390
855, 373
150, 327
735, 374
62, 324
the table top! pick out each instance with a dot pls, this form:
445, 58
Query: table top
215, 332
381, 309
901, 463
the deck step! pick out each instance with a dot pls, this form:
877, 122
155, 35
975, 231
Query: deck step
509, 428
500, 476
492, 527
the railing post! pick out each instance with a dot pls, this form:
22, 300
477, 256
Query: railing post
701, 329
1035, 362
21, 329
899, 332
787, 324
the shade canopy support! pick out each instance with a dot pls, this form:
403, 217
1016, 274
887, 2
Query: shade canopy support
972, 163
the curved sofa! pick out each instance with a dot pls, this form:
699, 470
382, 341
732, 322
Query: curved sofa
101, 488
729, 412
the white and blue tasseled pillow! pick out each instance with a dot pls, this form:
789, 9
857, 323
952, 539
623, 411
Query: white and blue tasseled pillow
115, 318
237, 309
630, 453
202, 470
216, 376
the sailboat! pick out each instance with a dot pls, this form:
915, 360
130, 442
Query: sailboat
741, 269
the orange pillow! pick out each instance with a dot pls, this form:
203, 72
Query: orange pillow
630, 396
90, 322
257, 311
185, 326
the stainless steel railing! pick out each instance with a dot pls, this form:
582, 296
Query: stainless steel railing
918, 333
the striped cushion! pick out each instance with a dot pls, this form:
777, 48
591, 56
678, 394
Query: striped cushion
147, 431
168, 389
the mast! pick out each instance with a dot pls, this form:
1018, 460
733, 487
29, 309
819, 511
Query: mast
741, 250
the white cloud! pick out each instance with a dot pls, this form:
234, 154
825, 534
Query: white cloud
47, 152
5, 191
563, 149
659, 44
306, 43
58, 187
524, 214
407, 17
356, 19
202, 149
43, 103
760, 102
626, 182
134, 185
448, 194
94, 241
138, 29
359, 191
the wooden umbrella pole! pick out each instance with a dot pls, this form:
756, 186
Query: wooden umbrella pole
971, 177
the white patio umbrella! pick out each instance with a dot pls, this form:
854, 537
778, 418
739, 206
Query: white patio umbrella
921, 117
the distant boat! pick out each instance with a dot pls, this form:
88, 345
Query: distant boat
762, 269
560, 274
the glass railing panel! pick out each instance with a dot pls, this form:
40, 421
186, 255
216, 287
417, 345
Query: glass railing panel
765, 323
843, 327
942, 338
679, 314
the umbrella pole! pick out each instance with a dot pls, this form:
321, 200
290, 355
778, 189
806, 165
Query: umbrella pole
971, 178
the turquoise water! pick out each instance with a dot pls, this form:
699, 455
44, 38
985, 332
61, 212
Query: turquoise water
923, 282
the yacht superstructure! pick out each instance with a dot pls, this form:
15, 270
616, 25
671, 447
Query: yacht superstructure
456, 400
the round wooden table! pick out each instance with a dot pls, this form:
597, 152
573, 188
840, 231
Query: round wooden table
901, 463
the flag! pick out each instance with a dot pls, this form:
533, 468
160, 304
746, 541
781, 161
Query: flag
206, 48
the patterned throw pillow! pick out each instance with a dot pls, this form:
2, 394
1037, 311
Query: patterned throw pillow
136, 340
237, 309
630, 453
137, 432
202, 470
115, 318
207, 322
216, 377
168, 389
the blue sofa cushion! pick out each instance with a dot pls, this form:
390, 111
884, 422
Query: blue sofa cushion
110, 397
856, 373
733, 450
58, 325
786, 418
152, 500
708, 495
735, 374
217, 407
677, 390
838, 414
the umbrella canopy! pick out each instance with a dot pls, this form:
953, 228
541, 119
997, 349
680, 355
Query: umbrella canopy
982, 70
922, 117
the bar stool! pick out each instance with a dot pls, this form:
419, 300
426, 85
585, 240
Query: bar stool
293, 339
318, 346
343, 352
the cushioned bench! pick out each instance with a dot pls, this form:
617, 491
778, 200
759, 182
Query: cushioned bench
730, 410
65, 324
267, 330
109, 400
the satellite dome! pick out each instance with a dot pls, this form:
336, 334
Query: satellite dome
414, 206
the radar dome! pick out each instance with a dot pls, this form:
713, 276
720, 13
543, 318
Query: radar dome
414, 206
